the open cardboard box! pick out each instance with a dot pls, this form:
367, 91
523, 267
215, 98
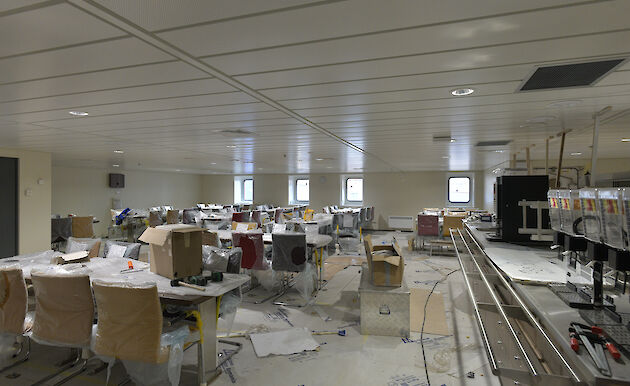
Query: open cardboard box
175, 250
385, 263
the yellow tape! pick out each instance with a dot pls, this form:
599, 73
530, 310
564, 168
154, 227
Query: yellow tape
198, 323
218, 305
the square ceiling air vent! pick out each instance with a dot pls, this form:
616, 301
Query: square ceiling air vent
569, 75
493, 143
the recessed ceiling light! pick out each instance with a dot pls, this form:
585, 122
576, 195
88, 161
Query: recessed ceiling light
576, 153
445, 157
116, 165
329, 167
319, 159
231, 146
625, 139
499, 151
78, 113
178, 170
118, 151
213, 163
462, 91
452, 140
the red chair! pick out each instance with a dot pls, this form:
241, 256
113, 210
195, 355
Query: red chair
428, 225
277, 217
253, 249
256, 217
238, 217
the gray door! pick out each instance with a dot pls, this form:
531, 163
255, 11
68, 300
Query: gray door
8, 207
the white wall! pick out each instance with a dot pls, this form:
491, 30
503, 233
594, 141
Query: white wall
85, 192
392, 194
33, 210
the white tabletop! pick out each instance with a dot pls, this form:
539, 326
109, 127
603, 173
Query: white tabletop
109, 270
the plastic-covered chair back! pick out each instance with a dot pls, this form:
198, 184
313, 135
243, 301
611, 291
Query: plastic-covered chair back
253, 249
60, 229
428, 225
155, 219
238, 217
210, 238
64, 307
256, 217
129, 321
13, 300
188, 216
83, 227
277, 215
131, 251
289, 252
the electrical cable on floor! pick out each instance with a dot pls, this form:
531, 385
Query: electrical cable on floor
424, 318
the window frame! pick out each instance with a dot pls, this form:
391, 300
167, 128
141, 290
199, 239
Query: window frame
346, 199
239, 189
471, 191
243, 190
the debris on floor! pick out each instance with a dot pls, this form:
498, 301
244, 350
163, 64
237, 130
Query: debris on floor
283, 342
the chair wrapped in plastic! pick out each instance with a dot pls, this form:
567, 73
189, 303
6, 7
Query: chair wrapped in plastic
93, 246
121, 249
222, 259
129, 328
13, 321
188, 216
64, 312
60, 229
251, 243
256, 217
290, 254
277, 216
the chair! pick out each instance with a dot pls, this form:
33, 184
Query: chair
289, 254
129, 328
13, 321
93, 246
114, 249
210, 238
250, 225
451, 222
238, 217
188, 216
428, 227
172, 216
256, 217
155, 219
64, 312
277, 215
253, 249
83, 227
60, 229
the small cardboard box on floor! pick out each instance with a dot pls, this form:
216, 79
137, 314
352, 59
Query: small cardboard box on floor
175, 250
385, 263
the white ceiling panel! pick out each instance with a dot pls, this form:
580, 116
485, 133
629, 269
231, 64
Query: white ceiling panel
18, 35
340, 18
9, 6
380, 78
162, 14
93, 57
477, 33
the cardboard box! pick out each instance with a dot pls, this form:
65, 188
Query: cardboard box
175, 250
82, 227
385, 263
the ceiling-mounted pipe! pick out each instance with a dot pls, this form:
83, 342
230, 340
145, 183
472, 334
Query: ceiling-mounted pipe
595, 145
564, 134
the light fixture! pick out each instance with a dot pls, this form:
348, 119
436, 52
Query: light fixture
178, 170
625, 139
499, 151
116, 165
445, 157
119, 151
231, 146
452, 140
78, 113
213, 163
576, 153
541, 119
565, 104
462, 91
319, 159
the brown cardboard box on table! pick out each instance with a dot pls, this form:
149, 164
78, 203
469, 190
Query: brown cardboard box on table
175, 250
385, 263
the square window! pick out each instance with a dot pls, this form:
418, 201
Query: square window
301, 190
354, 189
459, 190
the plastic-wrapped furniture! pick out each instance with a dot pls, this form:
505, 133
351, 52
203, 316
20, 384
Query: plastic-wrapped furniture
451, 222
554, 209
60, 229
210, 238
129, 328
81, 244
237, 226
155, 219
289, 252
277, 215
570, 212
64, 312
238, 217
13, 310
591, 214
121, 249
188, 216
256, 217
222, 259
613, 217
251, 243
83, 227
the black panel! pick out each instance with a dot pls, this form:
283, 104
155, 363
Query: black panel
511, 190
494, 143
569, 75
116, 180
8, 207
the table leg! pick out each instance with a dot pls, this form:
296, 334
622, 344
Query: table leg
207, 350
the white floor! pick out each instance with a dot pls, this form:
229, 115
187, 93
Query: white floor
353, 359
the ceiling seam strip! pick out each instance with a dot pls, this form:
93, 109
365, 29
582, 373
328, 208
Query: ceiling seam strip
105, 14
67, 46
31, 7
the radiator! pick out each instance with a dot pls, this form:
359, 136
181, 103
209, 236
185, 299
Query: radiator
400, 222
